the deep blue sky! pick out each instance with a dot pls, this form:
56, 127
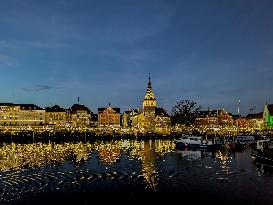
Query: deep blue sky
211, 51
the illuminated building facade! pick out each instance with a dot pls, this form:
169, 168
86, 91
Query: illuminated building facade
55, 115
138, 120
242, 123
152, 119
215, 120
162, 121
109, 117
207, 118
80, 115
255, 121
21, 114
224, 118
268, 115
127, 118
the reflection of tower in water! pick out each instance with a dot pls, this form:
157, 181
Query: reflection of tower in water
148, 157
147, 151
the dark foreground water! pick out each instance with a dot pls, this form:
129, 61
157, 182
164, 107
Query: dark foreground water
128, 171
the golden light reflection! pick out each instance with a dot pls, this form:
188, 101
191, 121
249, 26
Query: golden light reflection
224, 160
109, 153
22, 156
223, 156
147, 152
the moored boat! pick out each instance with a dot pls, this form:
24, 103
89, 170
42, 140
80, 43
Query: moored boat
188, 141
263, 152
194, 142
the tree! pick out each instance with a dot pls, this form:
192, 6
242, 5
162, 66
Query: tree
185, 112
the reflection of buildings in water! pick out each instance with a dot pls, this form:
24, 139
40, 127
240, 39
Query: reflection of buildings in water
134, 147
20, 156
148, 157
109, 152
163, 147
146, 151
224, 158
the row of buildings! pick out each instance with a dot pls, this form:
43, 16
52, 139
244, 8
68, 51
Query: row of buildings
33, 115
148, 119
220, 118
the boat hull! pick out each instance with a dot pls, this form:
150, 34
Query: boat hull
182, 146
263, 159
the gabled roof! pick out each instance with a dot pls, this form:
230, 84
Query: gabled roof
78, 107
209, 113
161, 112
255, 116
55, 108
100, 110
235, 117
6, 104
132, 111
29, 107
23, 106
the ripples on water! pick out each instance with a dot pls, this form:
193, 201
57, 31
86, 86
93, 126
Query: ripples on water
40, 171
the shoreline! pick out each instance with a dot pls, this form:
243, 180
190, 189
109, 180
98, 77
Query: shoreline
72, 137
90, 136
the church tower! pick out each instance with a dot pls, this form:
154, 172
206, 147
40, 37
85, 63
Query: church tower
149, 105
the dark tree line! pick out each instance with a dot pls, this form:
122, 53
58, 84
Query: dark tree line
185, 112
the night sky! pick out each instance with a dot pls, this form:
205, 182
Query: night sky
214, 52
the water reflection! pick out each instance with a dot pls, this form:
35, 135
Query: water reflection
147, 164
224, 157
109, 153
25, 156
264, 170
190, 154
147, 156
22, 156
145, 151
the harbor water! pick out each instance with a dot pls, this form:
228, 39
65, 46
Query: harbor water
124, 171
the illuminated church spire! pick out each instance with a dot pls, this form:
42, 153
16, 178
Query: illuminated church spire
149, 92
149, 99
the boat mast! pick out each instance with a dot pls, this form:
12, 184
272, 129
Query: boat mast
238, 116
